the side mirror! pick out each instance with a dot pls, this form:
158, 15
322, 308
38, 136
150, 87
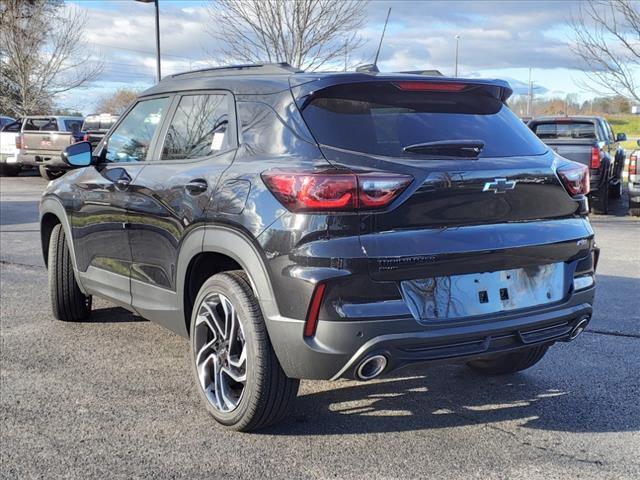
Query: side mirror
638, 142
621, 137
77, 155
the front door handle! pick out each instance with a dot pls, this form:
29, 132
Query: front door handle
197, 186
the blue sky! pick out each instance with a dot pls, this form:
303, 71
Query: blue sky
499, 39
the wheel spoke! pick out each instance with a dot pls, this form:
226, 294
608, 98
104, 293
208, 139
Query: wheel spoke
204, 349
214, 318
240, 377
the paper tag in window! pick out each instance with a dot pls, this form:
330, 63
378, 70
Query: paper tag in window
216, 143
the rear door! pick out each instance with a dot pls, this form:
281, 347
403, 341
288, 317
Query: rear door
171, 196
465, 214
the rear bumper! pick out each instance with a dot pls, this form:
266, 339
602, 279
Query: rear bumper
338, 347
48, 159
10, 159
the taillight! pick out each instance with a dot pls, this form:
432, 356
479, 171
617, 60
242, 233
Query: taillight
575, 178
413, 86
633, 165
595, 157
19, 141
334, 190
85, 138
311, 322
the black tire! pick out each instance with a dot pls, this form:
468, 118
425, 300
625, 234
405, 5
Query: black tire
601, 201
268, 393
7, 170
509, 362
68, 303
49, 174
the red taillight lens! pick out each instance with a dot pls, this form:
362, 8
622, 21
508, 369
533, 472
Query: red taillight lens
430, 86
311, 323
19, 141
85, 138
575, 178
334, 191
633, 165
595, 157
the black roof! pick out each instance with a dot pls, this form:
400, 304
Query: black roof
268, 78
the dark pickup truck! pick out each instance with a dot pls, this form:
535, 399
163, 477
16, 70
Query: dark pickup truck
590, 141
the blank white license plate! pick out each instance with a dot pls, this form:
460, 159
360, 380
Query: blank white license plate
458, 296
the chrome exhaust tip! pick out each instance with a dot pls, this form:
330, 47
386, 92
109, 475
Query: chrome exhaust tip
580, 327
371, 367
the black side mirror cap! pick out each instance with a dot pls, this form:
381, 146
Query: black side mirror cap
621, 137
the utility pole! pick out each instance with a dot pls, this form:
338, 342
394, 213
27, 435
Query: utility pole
457, 37
530, 99
155, 2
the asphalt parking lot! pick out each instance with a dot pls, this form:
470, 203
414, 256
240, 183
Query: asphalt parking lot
114, 397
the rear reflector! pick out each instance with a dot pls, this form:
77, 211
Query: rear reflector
334, 191
633, 165
314, 310
575, 178
430, 86
595, 157
19, 141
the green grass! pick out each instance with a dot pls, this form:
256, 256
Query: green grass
629, 124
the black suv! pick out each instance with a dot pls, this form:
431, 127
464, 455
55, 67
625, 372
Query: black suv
324, 225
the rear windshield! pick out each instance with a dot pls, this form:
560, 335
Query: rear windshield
98, 123
566, 130
381, 119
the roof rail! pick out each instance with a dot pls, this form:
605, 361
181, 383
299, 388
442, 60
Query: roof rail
246, 69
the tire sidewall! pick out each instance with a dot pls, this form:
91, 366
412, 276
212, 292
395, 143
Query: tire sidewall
225, 285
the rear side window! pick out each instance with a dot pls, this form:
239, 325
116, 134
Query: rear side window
565, 130
379, 118
199, 128
41, 124
72, 125
131, 140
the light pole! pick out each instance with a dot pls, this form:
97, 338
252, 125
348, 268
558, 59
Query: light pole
457, 44
155, 2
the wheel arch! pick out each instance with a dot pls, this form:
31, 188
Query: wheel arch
225, 249
52, 213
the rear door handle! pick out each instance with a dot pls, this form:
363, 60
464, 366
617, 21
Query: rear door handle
197, 186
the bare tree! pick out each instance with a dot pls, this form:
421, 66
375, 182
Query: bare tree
607, 39
308, 34
116, 102
42, 53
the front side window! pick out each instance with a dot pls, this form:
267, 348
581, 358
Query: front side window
199, 128
131, 140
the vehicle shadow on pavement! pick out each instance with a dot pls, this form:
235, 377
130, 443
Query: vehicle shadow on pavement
450, 396
114, 315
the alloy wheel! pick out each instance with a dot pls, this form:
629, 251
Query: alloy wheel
220, 352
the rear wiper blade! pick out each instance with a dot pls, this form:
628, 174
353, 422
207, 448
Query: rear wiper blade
449, 148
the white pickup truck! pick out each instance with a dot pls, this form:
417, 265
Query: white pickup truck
9, 162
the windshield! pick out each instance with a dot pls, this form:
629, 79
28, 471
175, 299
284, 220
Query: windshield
381, 119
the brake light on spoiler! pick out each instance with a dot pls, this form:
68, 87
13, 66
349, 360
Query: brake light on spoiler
334, 190
414, 86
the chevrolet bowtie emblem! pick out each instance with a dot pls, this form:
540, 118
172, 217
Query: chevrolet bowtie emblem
499, 185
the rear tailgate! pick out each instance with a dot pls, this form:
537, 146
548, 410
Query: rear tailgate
504, 209
571, 138
46, 143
